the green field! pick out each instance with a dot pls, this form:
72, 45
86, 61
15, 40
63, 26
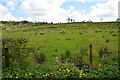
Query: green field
55, 47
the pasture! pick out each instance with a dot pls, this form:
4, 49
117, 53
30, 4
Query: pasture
61, 50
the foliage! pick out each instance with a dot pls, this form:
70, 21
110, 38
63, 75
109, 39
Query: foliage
33, 48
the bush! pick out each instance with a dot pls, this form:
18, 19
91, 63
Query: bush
19, 55
83, 52
67, 72
104, 53
105, 71
40, 57
66, 56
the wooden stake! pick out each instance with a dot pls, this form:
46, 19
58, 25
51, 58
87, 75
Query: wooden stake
90, 53
6, 58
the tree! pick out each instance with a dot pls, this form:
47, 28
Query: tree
68, 20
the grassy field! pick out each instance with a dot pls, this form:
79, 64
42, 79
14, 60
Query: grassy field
61, 47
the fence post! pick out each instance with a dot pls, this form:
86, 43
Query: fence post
90, 53
6, 58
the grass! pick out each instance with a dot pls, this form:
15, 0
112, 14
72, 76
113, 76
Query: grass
60, 40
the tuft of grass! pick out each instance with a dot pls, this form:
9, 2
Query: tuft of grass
68, 53
103, 36
67, 39
107, 40
111, 32
41, 33
96, 31
80, 33
114, 35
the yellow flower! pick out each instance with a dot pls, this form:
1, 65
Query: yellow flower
25, 74
30, 74
31, 77
16, 76
10, 76
51, 73
68, 70
60, 69
81, 70
66, 75
80, 76
83, 74
43, 75
63, 70
46, 74
99, 65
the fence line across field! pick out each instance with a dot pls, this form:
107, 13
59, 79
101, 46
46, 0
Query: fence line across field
7, 56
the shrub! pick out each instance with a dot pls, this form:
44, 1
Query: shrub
101, 52
19, 55
83, 51
104, 53
40, 57
66, 56
79, 61
105, 71
67, 72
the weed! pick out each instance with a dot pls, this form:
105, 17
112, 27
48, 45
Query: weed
107, 40
40, 57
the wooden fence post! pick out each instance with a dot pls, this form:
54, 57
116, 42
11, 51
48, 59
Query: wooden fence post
6, 58
90, 53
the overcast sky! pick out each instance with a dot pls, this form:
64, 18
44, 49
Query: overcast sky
58, 10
